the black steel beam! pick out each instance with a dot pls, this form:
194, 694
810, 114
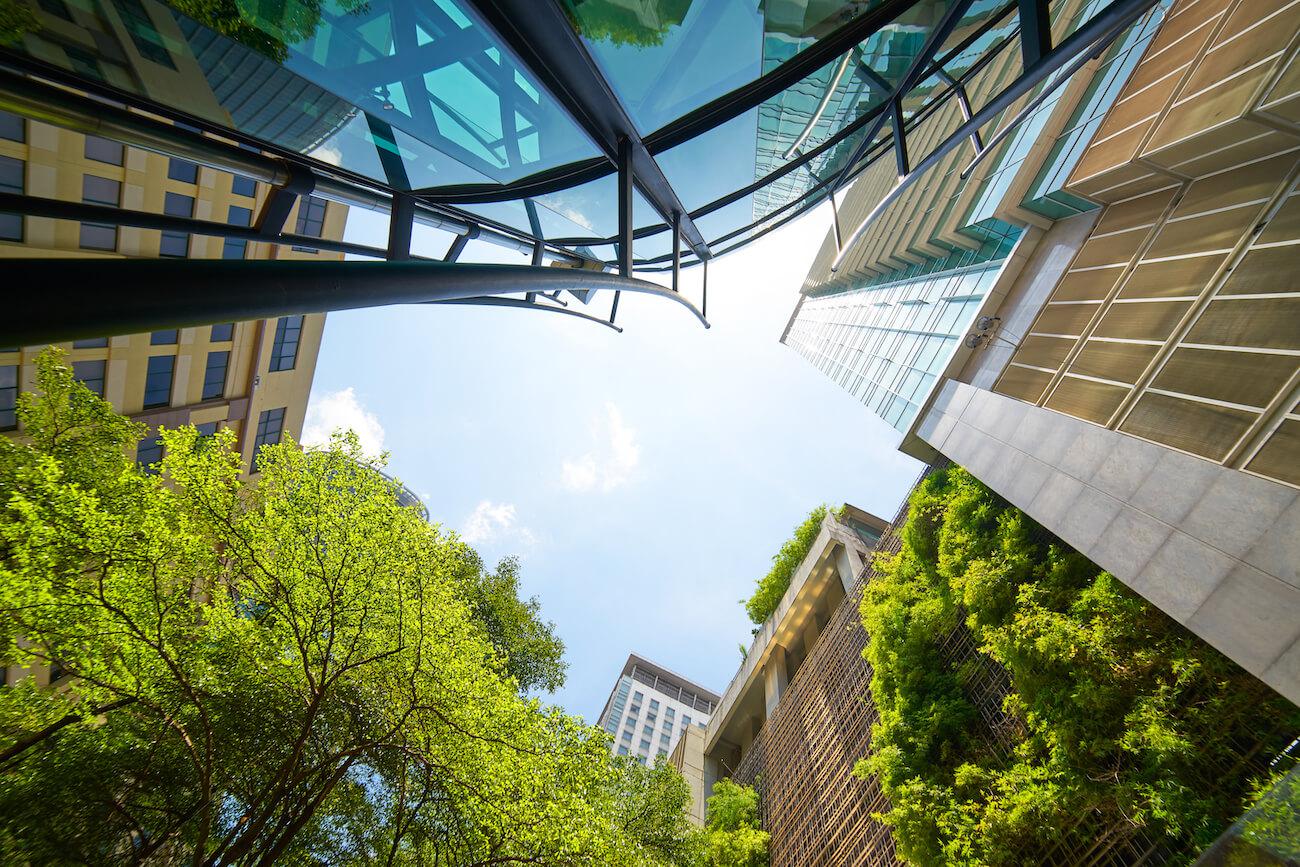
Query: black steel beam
1035, 30
541, 36
401, 223
72, 303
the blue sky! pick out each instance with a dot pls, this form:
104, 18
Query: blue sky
644, 479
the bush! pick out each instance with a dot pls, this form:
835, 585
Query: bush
1121, 720
772, 586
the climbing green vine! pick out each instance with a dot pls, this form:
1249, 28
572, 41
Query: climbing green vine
1119, 720
772, 586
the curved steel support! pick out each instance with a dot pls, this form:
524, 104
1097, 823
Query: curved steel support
821, 106
1101, 28
489, 301
72, 303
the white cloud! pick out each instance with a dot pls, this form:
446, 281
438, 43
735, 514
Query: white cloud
340, 410
611, 463
490, 522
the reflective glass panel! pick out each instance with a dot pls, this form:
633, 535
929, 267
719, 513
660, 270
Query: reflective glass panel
667, 57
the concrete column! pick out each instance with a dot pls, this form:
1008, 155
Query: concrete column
774, 678
848, 564
811, 633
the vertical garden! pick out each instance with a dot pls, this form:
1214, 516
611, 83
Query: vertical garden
1035, 710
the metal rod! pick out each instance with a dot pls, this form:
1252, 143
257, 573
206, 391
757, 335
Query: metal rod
677, 249
821, 106
401, 223
900, 136
625, 181
963, 102
459, 243
1107, 24
72, 303
704, 301
613, 309
490, 301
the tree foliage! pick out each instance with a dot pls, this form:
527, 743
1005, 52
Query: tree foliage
296, 671
1122, 718
772, 586
732, 837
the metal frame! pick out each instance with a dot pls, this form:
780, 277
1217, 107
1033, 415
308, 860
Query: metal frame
542, 38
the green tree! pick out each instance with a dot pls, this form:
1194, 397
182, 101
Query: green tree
772, 586
1115, 718
296, 671
732, 836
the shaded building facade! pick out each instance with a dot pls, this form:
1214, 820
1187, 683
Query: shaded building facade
650, 707
1125, 366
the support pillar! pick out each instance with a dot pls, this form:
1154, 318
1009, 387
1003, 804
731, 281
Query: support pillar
774, 679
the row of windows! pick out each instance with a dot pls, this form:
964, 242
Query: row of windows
270, 427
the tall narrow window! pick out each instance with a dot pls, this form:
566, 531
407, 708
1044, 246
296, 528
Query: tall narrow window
143, 32
12, 180
242, 186
270, 425
158, 381
12, 126
214, 376
176, 244
235, 248
103, 150
311, 220
223, 333
148, 453
284, 353
99, 191
91, 374
8, 396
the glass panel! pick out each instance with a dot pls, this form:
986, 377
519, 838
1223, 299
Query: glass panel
343, 81
667, 57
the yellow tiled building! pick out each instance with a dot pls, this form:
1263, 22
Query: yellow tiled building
253, 377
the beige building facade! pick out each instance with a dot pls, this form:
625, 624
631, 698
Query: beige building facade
252, 377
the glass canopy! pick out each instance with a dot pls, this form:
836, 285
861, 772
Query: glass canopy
751, 111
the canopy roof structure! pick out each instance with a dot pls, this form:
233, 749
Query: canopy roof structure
615, 136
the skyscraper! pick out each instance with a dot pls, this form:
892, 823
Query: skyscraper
649, 708
1094, 310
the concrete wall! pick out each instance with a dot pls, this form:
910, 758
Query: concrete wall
688, 757
1215, 548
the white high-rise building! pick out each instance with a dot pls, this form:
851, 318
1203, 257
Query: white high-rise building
650, 706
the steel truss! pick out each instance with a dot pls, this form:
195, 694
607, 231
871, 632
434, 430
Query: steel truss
541, 36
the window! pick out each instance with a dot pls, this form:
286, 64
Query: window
12, 126
8, 396
207, 429
636, 709
663, 752
235, 247
669, 713
83, 62
668, 726
164, 338
645, 744
214, 376
91, 374
99, 191
182, 170
222, 333
654, 705
158, 381
103, 150
56, 672
149, 453
176, 244
91, 343
143, 32
12, 174
57, 8
627, 736
311, 217
622, 751
636, 697
284, 353
242, 186
648, 730
663, 739
269, 427
685, 720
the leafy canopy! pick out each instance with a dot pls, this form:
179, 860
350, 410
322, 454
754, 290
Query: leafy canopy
732, 836
771, 587
1115, 719
296, 671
